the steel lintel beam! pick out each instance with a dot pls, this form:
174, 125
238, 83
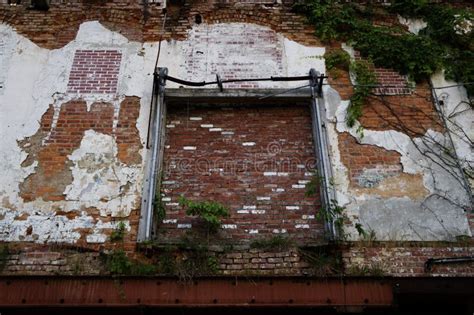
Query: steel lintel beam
210, 292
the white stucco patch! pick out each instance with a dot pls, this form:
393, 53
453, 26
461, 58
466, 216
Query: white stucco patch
100, 180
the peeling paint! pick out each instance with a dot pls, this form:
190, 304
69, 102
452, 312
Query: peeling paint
427, 202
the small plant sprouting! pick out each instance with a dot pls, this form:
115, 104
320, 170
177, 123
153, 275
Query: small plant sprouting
276, 243
118, 263
4, 254
313, 186
118, 234
210, 212
159, 208
334, 213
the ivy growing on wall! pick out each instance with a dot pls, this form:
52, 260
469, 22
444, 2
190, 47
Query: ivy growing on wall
446, 43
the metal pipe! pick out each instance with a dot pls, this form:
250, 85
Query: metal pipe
219, 82
450, 260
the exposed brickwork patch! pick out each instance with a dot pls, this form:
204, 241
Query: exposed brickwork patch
128, 138
54, 141
95, 71
258, 169
367, 164
218, 49
411, 114
52, 174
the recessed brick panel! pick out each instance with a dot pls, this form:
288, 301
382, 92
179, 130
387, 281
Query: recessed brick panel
95, 71
254, 160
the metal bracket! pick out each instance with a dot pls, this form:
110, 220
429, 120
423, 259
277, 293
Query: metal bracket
219, 83
316, 82
161, 76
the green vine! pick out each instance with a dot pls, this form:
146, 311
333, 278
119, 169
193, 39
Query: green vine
336, 61
366, 80
445, 43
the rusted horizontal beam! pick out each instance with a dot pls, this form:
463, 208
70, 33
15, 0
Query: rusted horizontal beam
210, 292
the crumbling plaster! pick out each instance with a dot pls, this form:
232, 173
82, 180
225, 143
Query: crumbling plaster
102, 187
435, 212
38, 77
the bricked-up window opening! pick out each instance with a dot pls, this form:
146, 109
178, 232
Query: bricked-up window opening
155, 201
255, 158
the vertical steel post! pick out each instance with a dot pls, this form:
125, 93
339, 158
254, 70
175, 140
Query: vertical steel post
321, 147
153, 157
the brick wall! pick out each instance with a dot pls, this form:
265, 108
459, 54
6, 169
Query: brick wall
367, 164
53, 171
393, 83
258, 169
56, 27
407, 260
399, 260
95, 71
221, 51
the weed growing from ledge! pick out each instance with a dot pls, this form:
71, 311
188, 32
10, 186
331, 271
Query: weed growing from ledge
322, 260
276, 243
374, 270
118, 263
118, 234
187, 260
4, 255
210, 212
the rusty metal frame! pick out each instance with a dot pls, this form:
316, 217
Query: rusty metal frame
203, 292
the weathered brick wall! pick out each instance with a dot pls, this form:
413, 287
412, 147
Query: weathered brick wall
412, 114
262, 205
59, 25
407, 260
367, 165
377, 259
258, 169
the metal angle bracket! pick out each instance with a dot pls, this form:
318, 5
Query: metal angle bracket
316, 82
161, 74
219, 83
